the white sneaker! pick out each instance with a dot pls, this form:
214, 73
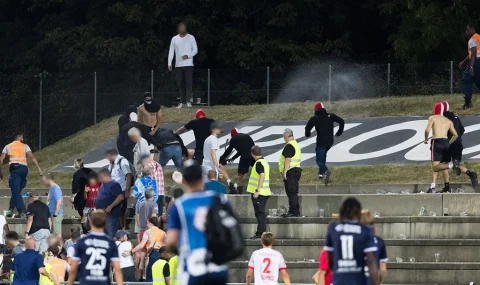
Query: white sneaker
179, 106
189, 105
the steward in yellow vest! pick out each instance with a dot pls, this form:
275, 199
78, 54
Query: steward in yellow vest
289, 167
173, 265
259, 187
17, 152
161, 269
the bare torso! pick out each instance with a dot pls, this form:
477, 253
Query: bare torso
440, 126
146, 118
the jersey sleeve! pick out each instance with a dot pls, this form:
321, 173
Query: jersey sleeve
78, 252
329, 240
383, 253
370, 245
113, 252
251, 263
324, 261
282, 265
174, 218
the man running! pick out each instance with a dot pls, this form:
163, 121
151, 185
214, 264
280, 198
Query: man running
242, 143
456, 148
351, 247
93, 255
266, 263
440, 126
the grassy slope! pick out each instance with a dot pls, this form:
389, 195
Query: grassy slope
88, 139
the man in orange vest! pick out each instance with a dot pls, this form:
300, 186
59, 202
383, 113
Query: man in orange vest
18, 152
471, 74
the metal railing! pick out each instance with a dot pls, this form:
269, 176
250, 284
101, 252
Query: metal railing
50, 106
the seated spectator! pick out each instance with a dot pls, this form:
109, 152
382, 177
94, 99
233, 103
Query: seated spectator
213, 184
60, 266
91, 191
13, 241
126, 263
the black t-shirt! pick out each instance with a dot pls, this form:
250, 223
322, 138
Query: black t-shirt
259, 167
166, 271
288, 151
40, 213
201, 131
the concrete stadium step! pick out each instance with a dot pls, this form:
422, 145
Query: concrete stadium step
442, 273
423, 250
386, 227
385, 204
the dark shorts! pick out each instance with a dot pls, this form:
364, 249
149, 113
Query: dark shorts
123, 207
245, 164
455, 151
440, 150
128, 274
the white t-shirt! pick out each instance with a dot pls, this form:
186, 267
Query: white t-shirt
120, 171
3, 222
122, 247
210, 143
266, 264
182, 46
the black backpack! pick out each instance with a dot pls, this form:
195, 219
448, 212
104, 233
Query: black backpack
224, 236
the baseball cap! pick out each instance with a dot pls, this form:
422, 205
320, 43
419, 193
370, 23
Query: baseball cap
121, 233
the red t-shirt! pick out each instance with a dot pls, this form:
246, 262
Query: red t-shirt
324, 266
92, 195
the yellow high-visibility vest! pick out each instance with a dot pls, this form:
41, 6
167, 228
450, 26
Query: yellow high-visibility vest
157, 272
296, 159
44, 280
17, 152
173, 264
255, 177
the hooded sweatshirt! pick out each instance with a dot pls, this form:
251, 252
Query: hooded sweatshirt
457, 124
324, 125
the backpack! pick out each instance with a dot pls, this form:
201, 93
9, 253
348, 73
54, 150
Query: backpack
130, 165
223, 233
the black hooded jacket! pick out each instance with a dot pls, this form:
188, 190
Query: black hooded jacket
457, 124
323, 123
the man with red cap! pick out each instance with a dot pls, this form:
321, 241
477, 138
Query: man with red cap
201, 130
242, 143
440, 127
324, 125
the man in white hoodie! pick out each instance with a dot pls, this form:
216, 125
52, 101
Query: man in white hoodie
185, 48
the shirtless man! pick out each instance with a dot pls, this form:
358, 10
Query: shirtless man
150, 113
440, 127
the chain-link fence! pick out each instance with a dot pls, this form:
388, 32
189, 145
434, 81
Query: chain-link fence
47, 107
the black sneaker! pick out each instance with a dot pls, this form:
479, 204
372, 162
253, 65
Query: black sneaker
9, 213
431, 190
232, 188
290, 215
240, 189
447, 190
256, 237
326, 177
474, 179
467, 105
456, 167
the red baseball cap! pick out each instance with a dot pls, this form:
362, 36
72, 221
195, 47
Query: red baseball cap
200, 113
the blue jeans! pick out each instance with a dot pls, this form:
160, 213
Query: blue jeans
111, 227
16, 182
173, 152
467, 80
152, 258
321, 158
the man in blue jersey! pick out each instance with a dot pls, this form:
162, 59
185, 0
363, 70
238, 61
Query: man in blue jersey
348, 243
93, 255
186, 231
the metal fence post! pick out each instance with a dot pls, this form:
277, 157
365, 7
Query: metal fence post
41, 111
95, 98
329, 83
268, 84
151, 84
208, 87
388, 79
451, 77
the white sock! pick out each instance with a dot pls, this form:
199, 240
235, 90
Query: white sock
450, 165
228, 181
235, 185
432, 185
